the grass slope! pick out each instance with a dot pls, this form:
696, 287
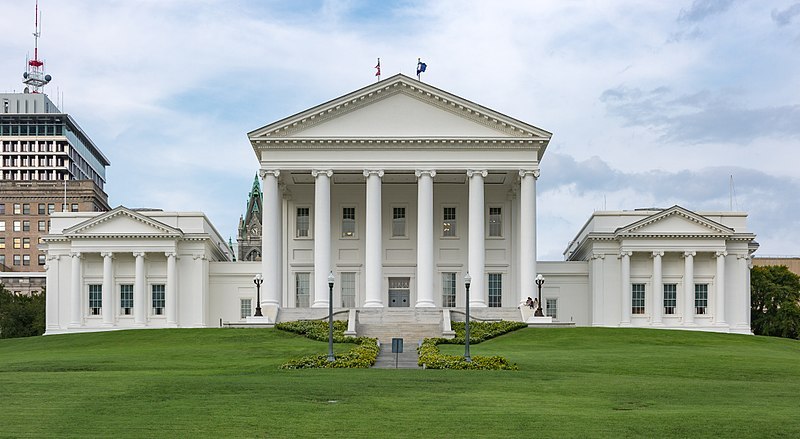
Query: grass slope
581, 382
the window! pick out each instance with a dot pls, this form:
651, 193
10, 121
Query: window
17, 260
495, 290
245, 308
158, 299
301, 289
74, 207
26, 226
41, 260
348, 222
348, 282
670, 298
42, 208
637, 298
495, 222
126, 299
51, 207
95, 299
26, 242
303, 216
449, 221
17, 226
448, 290
399, 292
17, 208
17, 242
2, 226
42, 226
2, 260
26, 209
700, 298
2, 209
26, 260
2, 242
398, 221
551, 308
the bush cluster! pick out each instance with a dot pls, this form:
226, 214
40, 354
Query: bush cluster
431, 358
362, 356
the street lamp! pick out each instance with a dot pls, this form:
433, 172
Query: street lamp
258, 280
467, 358
539, 283
330, 318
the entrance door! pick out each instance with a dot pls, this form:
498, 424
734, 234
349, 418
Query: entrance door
399, 293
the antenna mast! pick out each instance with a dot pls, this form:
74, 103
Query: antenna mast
34, 75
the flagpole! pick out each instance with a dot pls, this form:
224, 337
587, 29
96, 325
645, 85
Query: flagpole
378, 73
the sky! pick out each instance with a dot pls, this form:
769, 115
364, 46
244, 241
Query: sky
650, 103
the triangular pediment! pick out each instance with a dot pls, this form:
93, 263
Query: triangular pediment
121, 222
675, 221
399, 107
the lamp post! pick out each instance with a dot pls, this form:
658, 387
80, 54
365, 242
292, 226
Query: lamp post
258, 280
467, 358
539, 283
330, 318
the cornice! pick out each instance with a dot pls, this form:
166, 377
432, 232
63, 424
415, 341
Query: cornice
380, 143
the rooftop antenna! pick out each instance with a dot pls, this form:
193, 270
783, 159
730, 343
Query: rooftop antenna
34, 75
732, 193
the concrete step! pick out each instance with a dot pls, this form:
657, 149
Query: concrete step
410, 333
408, 359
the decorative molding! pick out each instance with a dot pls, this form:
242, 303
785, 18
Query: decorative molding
139, 254
317, 172
722, 253
393, 143
172, 254
378, 172
199, 256
264, 172
78, 231
107, 255
689, 253
598, 256
624, 253
532, 172
721, 231
482, 172
420, 172
76, 255
659, 253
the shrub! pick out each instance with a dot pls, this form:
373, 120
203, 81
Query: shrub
362, 356
21, 315
431, 358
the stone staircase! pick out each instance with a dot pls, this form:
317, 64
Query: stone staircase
408, 359
411, 334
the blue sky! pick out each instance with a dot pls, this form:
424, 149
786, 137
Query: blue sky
651, 103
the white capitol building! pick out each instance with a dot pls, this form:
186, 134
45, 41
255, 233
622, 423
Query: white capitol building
399, 189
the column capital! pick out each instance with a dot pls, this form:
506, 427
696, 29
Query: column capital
197, 256
138, 254
624, 253
420, 172
686, 254
722, 254
598, 256
264, 172
378, 172
76, 255
482, 172
658, 253
533, 172
317, 172
170, 254
107, 254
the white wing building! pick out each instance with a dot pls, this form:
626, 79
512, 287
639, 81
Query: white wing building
399, 189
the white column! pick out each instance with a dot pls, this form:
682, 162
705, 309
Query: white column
322, 236
598, 290
425, 265
373, 257
527, 233
719, 309
76, 297
108, 288
658, 288
271, 239
52, 300
477, 244
688, 288
625, 265
139, 295
172, 290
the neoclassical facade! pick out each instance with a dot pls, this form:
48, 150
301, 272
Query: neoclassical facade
399, 190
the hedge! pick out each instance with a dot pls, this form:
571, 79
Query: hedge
431, 358
362, 356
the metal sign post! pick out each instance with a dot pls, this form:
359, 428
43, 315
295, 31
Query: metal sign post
397, 349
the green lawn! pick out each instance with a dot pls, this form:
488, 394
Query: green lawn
581, 382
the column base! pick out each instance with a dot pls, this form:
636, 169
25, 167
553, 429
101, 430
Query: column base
314, 305
625, 324
373, 305
477, 304
425, 304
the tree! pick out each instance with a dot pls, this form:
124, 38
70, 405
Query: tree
21, 315
775, 301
